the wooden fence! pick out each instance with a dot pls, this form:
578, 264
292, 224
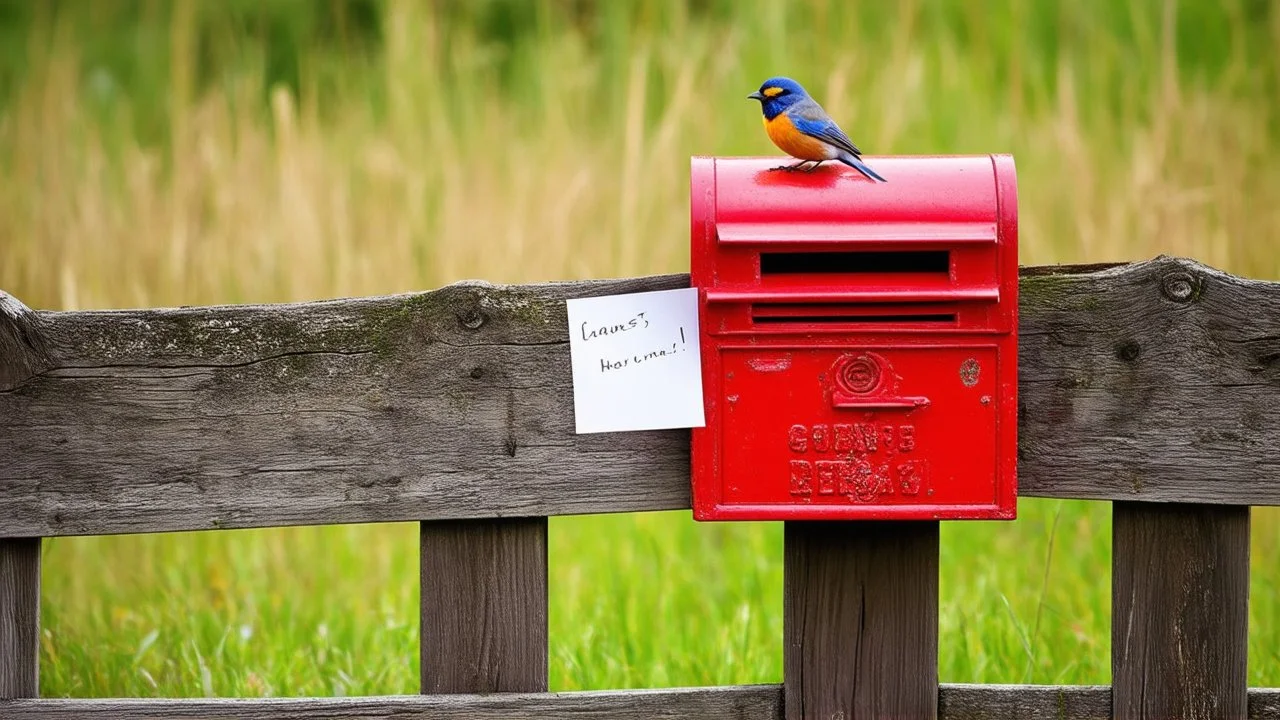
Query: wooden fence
1153, 386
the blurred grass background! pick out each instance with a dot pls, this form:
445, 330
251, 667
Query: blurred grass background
182, 152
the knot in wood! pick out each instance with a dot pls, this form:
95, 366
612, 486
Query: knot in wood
1129, 351
1180, 286
471, 318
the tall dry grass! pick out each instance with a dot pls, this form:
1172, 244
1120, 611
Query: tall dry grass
582, 172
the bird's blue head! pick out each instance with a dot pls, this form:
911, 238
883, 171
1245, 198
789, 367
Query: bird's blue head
777, 94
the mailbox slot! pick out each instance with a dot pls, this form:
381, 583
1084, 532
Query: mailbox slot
849, 314
855, 262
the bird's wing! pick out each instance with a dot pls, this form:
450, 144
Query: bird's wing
810, 119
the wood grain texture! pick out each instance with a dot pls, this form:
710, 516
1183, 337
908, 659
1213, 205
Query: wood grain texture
450, 404
1179, 611
1025, 702
753, 702
1264, 704
860, 620
484, 606
760, 702
19, 618
1152, 382
23, 353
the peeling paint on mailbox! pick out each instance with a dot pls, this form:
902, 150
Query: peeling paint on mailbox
859, 340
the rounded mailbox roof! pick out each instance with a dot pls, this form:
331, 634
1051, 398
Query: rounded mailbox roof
924, 196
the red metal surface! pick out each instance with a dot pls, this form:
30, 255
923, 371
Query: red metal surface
859, 339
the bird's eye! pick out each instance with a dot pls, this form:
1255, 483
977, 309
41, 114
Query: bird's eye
773, 92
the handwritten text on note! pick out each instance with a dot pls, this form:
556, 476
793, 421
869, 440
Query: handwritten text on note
635, 361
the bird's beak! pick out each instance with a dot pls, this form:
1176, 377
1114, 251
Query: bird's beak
756, 96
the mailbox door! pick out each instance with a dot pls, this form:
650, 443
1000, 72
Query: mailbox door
859, 431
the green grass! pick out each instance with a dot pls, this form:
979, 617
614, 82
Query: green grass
647, 600
322, 611
188, 152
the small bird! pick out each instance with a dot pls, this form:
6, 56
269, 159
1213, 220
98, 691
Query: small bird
798, 125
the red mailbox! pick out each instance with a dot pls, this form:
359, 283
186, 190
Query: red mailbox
859, 340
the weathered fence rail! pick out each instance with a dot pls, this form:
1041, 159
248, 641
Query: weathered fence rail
750, 702
1153, 385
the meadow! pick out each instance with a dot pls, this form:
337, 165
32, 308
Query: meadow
181, 153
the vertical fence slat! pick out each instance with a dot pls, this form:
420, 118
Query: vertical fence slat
22, 354
1179, 611
19, 617
860, 615
484, 606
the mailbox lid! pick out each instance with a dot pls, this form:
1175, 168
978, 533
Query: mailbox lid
925, 198
943, 229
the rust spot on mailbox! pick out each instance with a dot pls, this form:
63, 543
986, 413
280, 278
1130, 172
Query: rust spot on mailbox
969, 372
836, 319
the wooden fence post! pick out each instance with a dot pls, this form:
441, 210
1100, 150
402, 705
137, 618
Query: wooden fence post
860, 614
1179, 611
484, 606
19, 618
22, 354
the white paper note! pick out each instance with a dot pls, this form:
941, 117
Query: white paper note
635, 361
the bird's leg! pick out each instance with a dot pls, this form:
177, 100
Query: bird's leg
815, 166
790, 168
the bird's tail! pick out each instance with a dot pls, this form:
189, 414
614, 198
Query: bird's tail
860, 166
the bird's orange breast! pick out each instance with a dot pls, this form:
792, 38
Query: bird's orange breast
791, 141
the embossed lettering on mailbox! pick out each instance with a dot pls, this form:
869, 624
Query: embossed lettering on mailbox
858, 341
